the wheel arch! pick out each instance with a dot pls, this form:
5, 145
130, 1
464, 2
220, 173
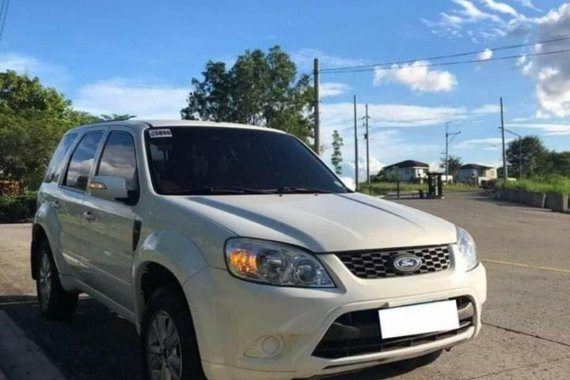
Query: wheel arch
164, 258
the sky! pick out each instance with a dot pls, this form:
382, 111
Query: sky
139, 57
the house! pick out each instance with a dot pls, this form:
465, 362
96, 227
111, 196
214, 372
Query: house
406, 171
476, 173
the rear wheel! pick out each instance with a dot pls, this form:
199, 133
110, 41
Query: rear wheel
170, 349
55, 302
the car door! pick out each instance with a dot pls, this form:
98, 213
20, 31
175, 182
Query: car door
70, 197
112, 227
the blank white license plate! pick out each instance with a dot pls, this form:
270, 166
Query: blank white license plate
419, 319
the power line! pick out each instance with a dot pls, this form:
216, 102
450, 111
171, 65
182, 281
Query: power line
453, 63
456, 55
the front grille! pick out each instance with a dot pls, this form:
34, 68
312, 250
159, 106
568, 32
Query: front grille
359, 333
378, 264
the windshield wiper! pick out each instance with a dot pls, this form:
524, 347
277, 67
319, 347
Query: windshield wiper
300, 190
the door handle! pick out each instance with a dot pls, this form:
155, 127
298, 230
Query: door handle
56, 205
88, 216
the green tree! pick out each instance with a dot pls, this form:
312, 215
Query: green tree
336, 158
32, 120
454, 163
535, 157
558, 163
260, 89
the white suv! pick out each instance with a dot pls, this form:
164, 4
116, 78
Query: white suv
239, 255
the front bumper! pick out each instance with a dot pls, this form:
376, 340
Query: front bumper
232, 317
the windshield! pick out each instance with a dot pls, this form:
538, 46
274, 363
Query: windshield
199, 160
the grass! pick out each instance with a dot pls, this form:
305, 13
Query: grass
381, 188
551, 184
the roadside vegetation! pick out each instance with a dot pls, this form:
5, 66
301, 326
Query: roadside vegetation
549, 184
17, 208
383, 188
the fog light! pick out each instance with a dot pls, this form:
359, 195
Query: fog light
271, 346
265, 347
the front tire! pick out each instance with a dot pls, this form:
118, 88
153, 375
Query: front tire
55, 303
169, 345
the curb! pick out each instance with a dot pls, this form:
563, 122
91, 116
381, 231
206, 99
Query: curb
22, 359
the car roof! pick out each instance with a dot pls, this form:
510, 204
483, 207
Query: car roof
144, 124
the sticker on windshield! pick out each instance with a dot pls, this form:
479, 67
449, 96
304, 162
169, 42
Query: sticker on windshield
158, 133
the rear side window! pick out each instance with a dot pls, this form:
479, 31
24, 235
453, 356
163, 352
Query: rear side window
81, 161
119, 159
54, 168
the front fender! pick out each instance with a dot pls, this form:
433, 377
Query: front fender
174, 251
46, 217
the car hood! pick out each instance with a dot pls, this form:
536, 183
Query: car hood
324, 222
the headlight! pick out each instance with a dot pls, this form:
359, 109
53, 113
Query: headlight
467, 250
275, 264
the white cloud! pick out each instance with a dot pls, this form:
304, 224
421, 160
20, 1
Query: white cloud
304, 58
528, 4
125, 97
328, 89
491, 143
340, 115
485, 55
348, 167
23, 64
500, 7
472, 13
525, 65
486, 109
552, 72
467, 20
417, 76
548, 129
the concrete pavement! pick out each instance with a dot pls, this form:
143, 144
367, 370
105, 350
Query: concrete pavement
21, 358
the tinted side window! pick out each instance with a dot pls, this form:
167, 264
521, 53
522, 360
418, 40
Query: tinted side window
82, 160
54, 168
119, 159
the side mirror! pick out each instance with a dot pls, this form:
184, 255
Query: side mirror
109, 187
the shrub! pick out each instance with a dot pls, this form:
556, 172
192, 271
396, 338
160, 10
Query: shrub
15, 209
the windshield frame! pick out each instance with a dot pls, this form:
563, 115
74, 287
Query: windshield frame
154, 182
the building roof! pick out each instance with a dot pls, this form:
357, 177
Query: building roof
408, 164
475, 166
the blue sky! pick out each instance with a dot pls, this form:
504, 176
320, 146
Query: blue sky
138, 57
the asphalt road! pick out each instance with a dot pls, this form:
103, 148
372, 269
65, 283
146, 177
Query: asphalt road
526, 332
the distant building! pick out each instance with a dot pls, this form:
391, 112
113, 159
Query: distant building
406, 171
476, 173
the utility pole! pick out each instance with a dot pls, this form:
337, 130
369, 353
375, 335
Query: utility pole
505, 167
520, 150
367, 149
355, 145
447, 141
317, 106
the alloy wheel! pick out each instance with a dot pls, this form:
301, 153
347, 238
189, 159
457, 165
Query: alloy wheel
163, 348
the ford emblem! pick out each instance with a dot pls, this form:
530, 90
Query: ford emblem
407, 263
